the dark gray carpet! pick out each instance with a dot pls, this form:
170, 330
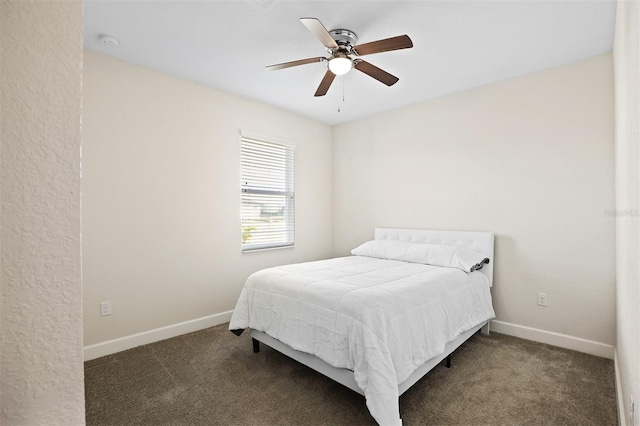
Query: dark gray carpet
212, 377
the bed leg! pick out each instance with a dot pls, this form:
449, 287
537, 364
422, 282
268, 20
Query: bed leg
448, 363
485, 328
256, 346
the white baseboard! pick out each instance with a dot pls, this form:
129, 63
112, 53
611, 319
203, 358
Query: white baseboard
556, 339
128, 342
622, 418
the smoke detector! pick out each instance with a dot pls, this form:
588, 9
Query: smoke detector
109, 41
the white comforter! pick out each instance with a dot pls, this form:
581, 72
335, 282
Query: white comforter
380, 318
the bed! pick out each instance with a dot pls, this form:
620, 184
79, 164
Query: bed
379, 320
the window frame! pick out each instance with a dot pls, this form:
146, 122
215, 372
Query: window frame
288, 193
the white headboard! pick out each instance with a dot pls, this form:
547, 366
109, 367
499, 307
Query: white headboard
482, 242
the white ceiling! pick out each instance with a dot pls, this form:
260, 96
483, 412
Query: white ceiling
458, 45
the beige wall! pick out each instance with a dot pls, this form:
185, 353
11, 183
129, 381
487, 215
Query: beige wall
161, 197
531, 159
41, 374
627, 90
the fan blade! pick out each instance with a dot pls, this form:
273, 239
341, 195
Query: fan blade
393, 43
315, 26
294, 63
375, 72
325, 83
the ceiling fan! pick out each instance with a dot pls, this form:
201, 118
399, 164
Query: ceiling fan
344, 54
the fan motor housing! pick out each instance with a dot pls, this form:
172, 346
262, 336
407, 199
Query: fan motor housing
344, 38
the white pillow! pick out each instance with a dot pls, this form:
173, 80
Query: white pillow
428, 254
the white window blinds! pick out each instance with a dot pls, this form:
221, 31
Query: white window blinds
268, 202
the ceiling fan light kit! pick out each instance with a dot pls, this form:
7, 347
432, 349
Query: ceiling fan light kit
340, 65
344, 54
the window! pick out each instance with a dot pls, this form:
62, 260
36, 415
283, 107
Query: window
268, 202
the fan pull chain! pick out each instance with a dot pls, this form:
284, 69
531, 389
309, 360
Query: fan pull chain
343, 82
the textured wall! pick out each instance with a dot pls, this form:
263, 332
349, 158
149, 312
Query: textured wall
41, 376
627, 90
530, 159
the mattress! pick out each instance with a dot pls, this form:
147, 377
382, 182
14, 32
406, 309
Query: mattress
380, 318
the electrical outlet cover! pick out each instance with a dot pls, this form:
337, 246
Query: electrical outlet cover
542, 299
105, 309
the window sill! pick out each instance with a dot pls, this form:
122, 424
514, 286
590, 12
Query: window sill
267, 249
